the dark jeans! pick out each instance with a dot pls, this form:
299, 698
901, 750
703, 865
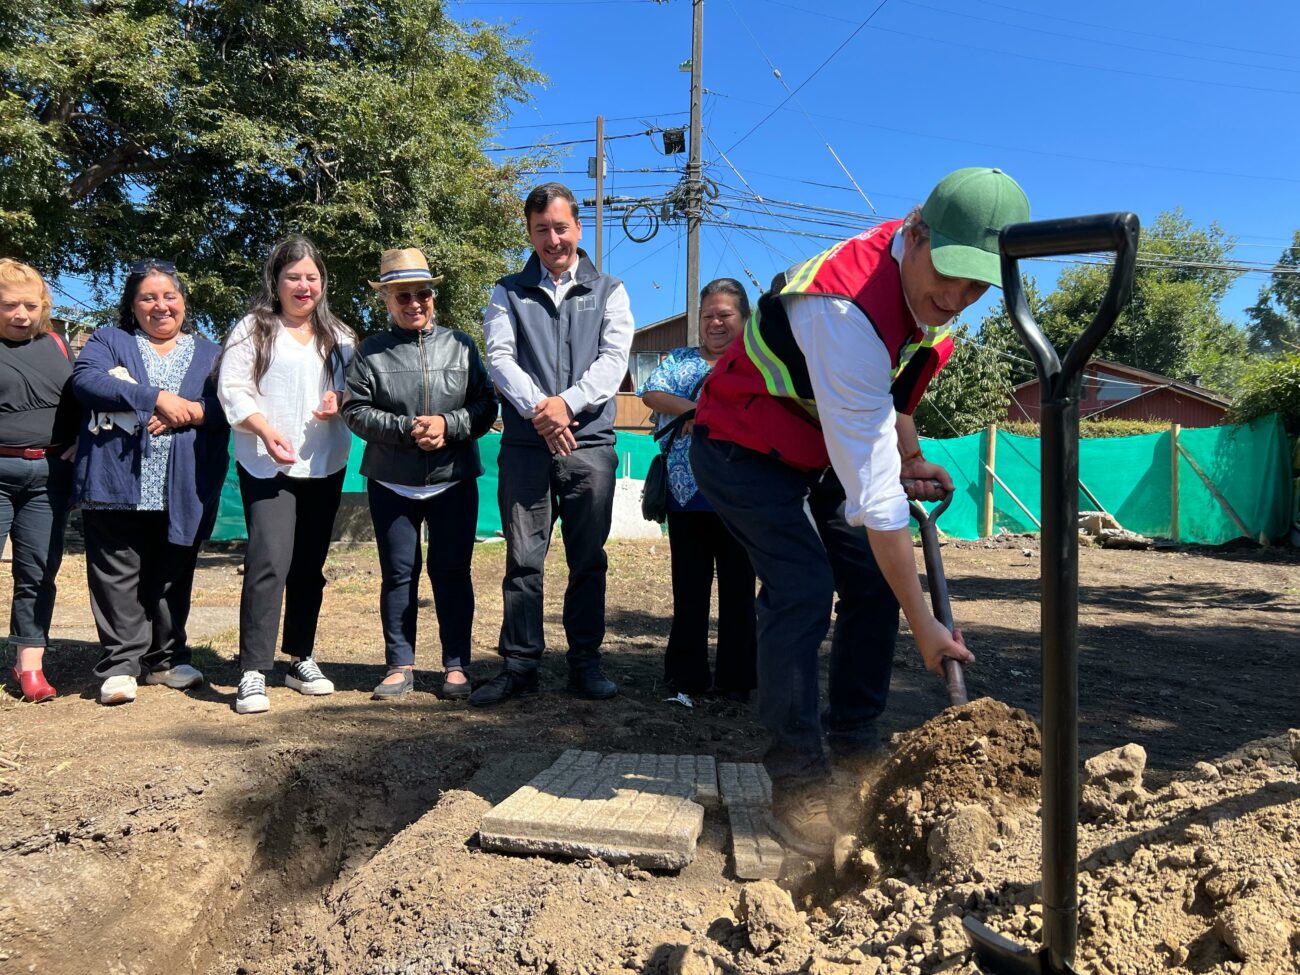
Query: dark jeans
804, 553
452, 517
33, 511
699, 541
290, 521
533, 489
140, 587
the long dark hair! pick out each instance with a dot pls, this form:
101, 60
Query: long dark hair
265, 311
131, 287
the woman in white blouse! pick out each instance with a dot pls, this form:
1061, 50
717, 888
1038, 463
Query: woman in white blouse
281, 382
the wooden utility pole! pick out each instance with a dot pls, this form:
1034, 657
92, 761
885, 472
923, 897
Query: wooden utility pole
694, 180
600, 188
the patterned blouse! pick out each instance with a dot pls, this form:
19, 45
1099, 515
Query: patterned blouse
678, 374
164, 372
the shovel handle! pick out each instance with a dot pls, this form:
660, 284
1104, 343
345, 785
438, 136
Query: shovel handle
954, 675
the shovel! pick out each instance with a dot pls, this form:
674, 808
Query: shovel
953, 673
1060, 381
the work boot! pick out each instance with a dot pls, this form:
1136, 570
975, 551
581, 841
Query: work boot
801, 820
502, 687
590, 683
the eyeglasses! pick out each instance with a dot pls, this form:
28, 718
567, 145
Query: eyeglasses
143, 267
406, 297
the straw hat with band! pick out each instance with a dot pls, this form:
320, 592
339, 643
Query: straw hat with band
404, 265
965, 214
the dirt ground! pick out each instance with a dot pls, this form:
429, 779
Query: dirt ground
338, 835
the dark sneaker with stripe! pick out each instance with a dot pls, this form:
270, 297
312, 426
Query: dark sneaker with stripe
305, 678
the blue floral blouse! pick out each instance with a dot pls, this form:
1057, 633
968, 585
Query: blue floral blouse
677, 374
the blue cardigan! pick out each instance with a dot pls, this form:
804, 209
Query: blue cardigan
108, 462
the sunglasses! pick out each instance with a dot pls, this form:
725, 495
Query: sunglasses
406, 297
143, 267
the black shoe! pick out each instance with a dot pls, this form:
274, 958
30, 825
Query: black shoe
503, 686
590, 683
456, 691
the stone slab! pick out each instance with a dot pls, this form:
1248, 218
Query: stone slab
698, 771
744, 784
620, 808
755, 852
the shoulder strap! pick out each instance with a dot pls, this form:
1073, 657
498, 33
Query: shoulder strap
63, 347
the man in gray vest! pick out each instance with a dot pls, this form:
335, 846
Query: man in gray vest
558, 335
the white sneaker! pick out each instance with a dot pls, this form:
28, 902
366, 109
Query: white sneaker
252, 698
182, 677
305, 678
117, 690
684, 700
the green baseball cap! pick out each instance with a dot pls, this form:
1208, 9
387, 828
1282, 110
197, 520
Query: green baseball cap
965, 214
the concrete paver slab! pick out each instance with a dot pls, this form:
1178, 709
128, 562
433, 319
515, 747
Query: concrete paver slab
755, 852
634, 808
744, 784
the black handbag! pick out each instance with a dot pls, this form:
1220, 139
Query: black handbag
654, 495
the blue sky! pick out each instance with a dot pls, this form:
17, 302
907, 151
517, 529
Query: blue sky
1092, 107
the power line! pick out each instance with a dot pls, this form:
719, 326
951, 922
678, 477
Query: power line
567, 142
640, 116
857, 30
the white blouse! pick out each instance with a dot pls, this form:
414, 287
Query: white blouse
291, 388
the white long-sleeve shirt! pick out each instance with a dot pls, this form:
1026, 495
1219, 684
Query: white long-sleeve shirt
851, 375
594, 387
291, 389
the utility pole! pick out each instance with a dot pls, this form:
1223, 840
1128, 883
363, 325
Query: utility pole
694, 180
600, 186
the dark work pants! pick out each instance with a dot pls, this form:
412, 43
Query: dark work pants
33, 511
290, 521
533, 489
804, 553
140, 586
452, 517
700, 541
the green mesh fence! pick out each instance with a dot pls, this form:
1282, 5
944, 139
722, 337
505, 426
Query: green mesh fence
1131, 476
634, 453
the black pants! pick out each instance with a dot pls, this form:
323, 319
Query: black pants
534, 488
700, 541
804, 553
33, 511
452, 517
140, 587
290, 521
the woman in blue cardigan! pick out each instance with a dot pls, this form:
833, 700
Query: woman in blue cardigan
151, 461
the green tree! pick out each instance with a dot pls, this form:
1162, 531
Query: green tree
999, 335
1274, 319
202, 131
969, 393
1271, 386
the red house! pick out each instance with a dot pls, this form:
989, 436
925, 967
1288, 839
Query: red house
1125, 393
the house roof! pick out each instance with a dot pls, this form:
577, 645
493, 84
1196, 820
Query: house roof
1151, 381
663, 321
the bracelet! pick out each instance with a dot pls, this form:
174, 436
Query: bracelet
916, 456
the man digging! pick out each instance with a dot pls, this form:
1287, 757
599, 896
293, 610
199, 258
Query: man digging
805, 437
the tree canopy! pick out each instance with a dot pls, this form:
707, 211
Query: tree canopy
968, 394
203, 131
1274, 319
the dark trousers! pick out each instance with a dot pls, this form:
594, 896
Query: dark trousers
33, 511
452, 517
804, 553
699, 541
533, 489
290, 521
140, 587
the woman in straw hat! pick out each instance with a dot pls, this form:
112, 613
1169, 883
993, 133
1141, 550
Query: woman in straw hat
420, 398
281, 383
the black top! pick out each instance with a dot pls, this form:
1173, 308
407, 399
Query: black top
37, 408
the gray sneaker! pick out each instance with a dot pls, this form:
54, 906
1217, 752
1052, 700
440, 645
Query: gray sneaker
181, 677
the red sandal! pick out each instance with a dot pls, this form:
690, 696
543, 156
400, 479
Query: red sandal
34, 686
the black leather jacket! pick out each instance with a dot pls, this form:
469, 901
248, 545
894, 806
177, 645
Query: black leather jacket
401, 374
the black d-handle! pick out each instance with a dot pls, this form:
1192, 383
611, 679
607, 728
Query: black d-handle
1116, 232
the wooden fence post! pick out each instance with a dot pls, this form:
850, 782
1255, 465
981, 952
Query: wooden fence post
1174, 429
986, 504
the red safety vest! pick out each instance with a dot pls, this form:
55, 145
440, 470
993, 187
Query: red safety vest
759, 394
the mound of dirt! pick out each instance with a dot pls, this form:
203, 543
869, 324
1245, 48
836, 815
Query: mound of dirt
978, 759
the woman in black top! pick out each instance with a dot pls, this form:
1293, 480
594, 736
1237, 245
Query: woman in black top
38, 425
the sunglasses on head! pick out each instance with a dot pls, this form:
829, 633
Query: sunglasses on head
406, 297
142, 267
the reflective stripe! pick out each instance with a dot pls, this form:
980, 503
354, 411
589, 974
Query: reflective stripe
912, 348
776, 377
